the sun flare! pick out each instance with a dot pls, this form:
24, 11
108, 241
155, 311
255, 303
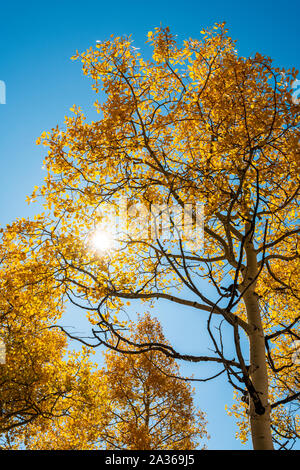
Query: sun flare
101, 240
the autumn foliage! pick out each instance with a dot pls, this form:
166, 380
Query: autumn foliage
196, 123
151, 404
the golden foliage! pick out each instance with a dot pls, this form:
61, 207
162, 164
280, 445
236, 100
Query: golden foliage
196, 123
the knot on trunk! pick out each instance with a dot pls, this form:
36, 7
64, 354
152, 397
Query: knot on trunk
259, 408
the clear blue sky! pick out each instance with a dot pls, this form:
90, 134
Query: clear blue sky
37, 40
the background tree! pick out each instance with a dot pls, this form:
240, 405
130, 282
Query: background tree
197, 123
147, 404
152, 408
40, 381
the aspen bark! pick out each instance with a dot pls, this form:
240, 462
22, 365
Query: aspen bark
260, 423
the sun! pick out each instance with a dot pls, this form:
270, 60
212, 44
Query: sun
101, 240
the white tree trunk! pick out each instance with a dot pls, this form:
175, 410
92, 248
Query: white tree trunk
260, 423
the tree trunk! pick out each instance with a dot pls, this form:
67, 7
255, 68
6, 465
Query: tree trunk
260, 423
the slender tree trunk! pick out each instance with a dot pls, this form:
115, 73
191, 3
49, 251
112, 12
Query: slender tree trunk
260, 423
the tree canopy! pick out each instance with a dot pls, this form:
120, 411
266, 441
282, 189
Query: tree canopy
195, 124
146, 405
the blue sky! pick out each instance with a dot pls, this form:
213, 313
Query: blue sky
42, 83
